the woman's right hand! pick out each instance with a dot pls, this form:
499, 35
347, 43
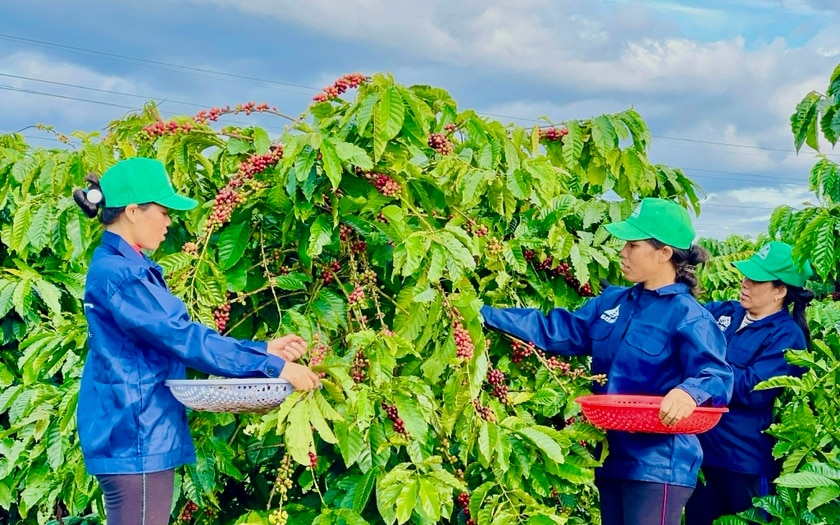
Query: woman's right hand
301, 377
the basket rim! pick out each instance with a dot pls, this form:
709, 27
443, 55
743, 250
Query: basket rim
613, 401
232, 381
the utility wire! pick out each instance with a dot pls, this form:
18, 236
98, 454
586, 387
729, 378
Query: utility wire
116, 56
125, 58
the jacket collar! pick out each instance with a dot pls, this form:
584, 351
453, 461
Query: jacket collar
670, 289
770, 319
118, 244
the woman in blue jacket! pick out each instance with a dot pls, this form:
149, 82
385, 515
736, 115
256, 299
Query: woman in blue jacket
132, 431
653, 338
738, 464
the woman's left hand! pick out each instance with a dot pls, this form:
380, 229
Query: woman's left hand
289, 347
676, 405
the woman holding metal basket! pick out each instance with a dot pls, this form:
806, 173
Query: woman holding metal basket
132, 431
653, 338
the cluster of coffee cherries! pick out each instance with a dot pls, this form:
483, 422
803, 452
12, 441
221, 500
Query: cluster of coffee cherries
358, 370
368, 277
259, 163
494, 246
313, 460
171, 127
187, 512
441, 144
564, 270
553, 134
205, 116
344, 232
283, 480
561, 269
486, 413
496, 378
328, 275
221, 316
384, 184
479, 230
463, 341
356, 296
464, 502
394, 416
278, 517
358, 247
226, 201
190, 248
520, 351
351, 81
317, 353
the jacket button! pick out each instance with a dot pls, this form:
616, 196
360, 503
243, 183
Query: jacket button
272, 371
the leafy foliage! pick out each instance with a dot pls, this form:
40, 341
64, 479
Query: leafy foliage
375, 228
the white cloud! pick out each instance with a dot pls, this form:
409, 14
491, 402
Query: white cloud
746, 211
35, 108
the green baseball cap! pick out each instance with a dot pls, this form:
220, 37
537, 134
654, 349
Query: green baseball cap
665, 221
774, 262
138, 181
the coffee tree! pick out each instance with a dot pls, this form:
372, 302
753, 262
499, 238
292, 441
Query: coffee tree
375, 226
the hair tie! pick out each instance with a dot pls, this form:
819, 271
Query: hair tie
93, 195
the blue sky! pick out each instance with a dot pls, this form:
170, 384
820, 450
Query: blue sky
715, 80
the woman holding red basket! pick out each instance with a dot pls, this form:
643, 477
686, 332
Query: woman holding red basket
654, 339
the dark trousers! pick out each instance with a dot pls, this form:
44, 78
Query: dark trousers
725, 492
138, 499
628, 502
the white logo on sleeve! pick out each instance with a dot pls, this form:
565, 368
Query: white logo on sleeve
611, 316
723, 322
762, 253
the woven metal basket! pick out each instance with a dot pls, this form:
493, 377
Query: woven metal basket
230, 395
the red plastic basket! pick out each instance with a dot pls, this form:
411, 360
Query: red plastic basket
641, 414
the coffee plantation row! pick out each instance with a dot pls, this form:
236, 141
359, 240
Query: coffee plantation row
375, 226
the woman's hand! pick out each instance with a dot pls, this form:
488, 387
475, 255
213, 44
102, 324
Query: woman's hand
289, 347
678, 404
301, 377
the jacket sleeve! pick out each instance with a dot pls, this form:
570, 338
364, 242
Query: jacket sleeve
560, 332
151, 314
703, 355
769, 362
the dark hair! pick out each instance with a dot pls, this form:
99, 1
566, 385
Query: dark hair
91, 209
685, 262
800, 298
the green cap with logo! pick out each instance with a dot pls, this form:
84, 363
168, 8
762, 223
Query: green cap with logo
139, 181
659, 219
774, 262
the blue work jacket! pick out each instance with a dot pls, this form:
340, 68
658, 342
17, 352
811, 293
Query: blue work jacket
139, 336
647, 342
756, 353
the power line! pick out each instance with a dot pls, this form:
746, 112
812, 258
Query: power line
88, 88
159, 100
666, 137
66, 97
125, 58
740, 174
300, 86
